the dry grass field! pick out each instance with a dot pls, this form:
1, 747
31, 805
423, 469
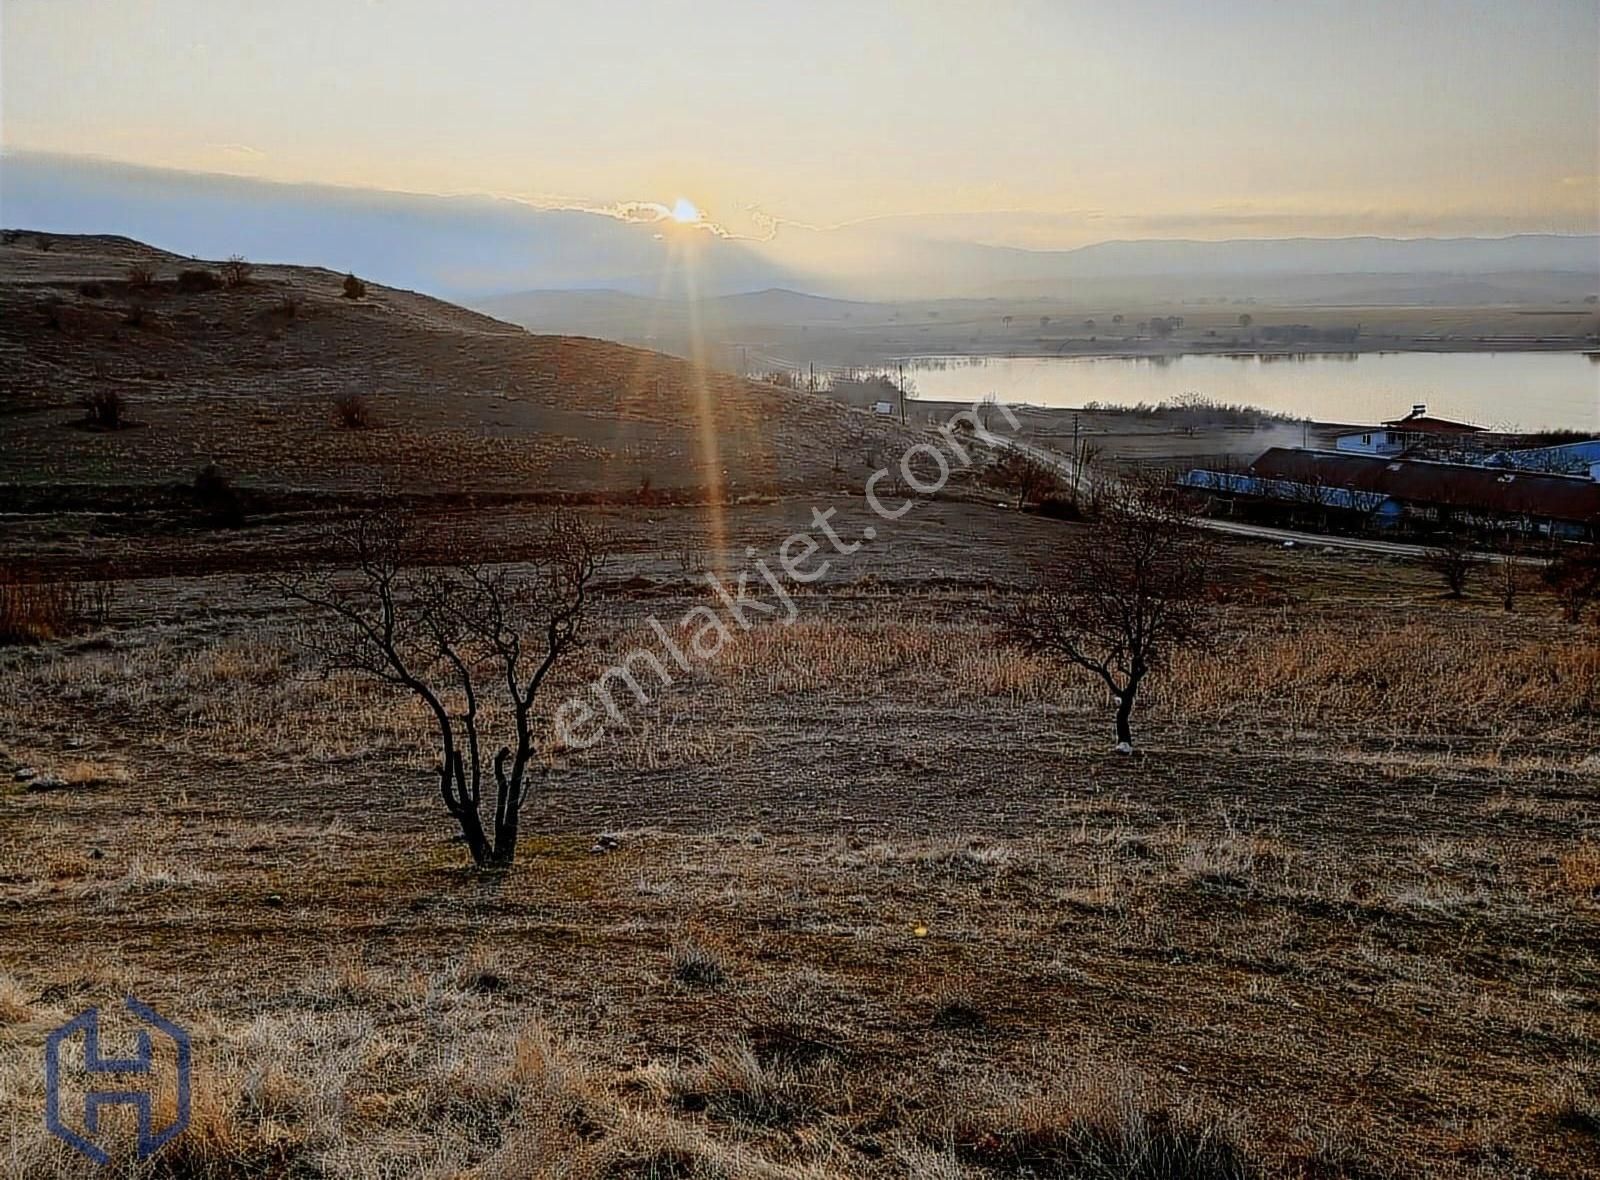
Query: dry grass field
868, 896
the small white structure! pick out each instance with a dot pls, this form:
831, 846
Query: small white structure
884, 408
1372, 442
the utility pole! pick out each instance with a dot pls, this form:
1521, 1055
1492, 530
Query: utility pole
902, 373
1075, 463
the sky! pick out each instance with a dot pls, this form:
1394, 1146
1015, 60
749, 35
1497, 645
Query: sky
1042, 123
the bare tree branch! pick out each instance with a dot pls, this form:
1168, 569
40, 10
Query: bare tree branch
1124, 591
434, 628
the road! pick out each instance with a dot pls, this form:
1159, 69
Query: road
1064, 466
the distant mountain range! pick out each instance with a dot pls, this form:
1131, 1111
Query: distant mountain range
478, 248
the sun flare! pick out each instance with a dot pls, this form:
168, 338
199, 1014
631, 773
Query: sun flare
685, 211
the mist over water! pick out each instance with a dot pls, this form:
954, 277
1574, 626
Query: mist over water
1506, 390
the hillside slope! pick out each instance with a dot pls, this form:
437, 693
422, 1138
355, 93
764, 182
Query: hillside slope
247, 378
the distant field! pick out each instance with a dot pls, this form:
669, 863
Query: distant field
761, 331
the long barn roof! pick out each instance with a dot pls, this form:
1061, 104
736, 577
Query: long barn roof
1458, 485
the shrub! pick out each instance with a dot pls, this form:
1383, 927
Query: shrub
105, 409
141, 277
1451, 558
1060, 508
236, 271
354, 288
353, 411
92, 290
217, 499
1574, 576
192, 282
34, 610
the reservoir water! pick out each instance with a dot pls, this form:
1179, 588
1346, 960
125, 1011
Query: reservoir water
1501, 390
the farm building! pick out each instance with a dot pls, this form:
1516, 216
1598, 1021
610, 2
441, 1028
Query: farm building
1392, 492
1399, 435
1572, 458
1372, 442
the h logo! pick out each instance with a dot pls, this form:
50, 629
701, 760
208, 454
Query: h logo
143, 1062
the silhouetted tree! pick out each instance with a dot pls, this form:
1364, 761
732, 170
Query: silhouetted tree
452, 632
1122, 593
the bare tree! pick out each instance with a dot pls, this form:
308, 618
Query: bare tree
1122, 593
237, 270
1027, 476
1509, 577
1575, 578
452, 632
1450, 556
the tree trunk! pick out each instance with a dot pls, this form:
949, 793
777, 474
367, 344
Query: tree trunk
505, 843
457, 803
472, 833
1125, 701
1124, 731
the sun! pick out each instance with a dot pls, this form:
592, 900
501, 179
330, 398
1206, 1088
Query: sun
684, 211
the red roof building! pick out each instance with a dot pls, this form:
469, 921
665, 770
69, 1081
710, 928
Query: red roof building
1445, 488
1418, 422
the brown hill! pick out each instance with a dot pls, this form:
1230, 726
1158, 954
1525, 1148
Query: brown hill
248, 377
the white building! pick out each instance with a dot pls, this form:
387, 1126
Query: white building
1372, 442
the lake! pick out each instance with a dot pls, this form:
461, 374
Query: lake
1502, 390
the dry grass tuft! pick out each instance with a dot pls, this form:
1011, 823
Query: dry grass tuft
696, 965
15, 1006
1578, 871
737, 1084
1101, 1127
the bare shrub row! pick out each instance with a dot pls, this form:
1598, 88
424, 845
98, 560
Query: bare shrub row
33, 610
